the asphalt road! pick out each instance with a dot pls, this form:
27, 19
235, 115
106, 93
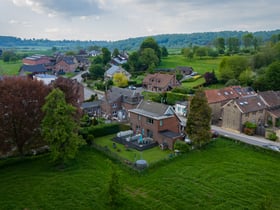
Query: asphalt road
253, 140
87, 91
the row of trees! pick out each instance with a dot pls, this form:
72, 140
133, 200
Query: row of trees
33, 115
261, 70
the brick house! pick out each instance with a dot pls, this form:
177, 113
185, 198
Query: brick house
66, 64
92, 108
160, 82
118, 100
32, 69
157, 121
217, 98
238, 111
272, 115
36, 60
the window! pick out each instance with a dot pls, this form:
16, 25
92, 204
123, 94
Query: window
115, 105
247, 115
149, 133
150, 120
160, 123
139, 117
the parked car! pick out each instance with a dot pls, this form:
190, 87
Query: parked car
131, 87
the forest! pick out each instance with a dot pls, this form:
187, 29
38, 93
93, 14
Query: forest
167, 40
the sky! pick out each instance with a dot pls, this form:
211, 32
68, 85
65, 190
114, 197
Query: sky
113, 20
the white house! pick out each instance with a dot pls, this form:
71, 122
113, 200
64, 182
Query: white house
181, 108
46, 78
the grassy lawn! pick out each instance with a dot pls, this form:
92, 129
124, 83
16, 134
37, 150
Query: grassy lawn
199, 65
195, 83
10, 68
225, 175
152, 155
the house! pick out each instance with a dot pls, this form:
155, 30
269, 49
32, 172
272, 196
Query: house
94, 53
66, 64
119, 59
237, 112
216, 99
32, 69
92, 108
45, 78
272, 101
159, 82
157, 121
181, 108
117, 102
83, 62
184, 70
109, 74
36, 60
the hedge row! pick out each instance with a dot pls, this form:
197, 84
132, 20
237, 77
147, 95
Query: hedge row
103, 130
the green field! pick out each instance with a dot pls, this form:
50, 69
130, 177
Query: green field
199, 65
10, 68
226, 175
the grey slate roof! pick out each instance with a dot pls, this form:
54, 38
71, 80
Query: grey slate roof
91, 104
153, 109
271, 98
170, 134
114, 93
40, 68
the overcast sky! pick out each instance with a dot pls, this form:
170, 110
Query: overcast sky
121, 19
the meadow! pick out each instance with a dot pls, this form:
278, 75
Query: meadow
10, 68
224, 175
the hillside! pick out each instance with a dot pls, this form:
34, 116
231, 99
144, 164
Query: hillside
168, 40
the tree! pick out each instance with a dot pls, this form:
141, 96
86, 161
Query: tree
231, 67
21, 100
219, 43
272, 76
59, 127
115, 52
106, 55
210, 78
248, 40
164, 52
198, 121
8, 55
148, 58
233, 45
246, 77
96, 71
151, 43
120, 80
201, 52
98, 60
188, 53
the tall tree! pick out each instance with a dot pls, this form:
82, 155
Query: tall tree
115, 52
147, 58
59, 127
272, 76
233, 45
219, 43
187, 52
96, 71
21, 100
151, 43
248, 40
164, 52
106, 55
198, 121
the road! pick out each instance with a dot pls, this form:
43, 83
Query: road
87, 91
253, 140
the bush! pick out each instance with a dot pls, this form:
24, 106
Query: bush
182, 146
272, 136
250, 125
171, 97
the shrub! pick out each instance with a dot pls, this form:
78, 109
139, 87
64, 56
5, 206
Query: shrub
250, 125
272, 136
182, 146
171, 97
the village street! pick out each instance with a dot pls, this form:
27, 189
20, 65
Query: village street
253, 140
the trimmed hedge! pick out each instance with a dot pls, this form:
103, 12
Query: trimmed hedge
103, 130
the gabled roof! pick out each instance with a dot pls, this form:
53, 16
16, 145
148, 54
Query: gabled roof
158, 79
153, 110
250, 104
115, 69
228, 93
40, 68
115, 93
271, 98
